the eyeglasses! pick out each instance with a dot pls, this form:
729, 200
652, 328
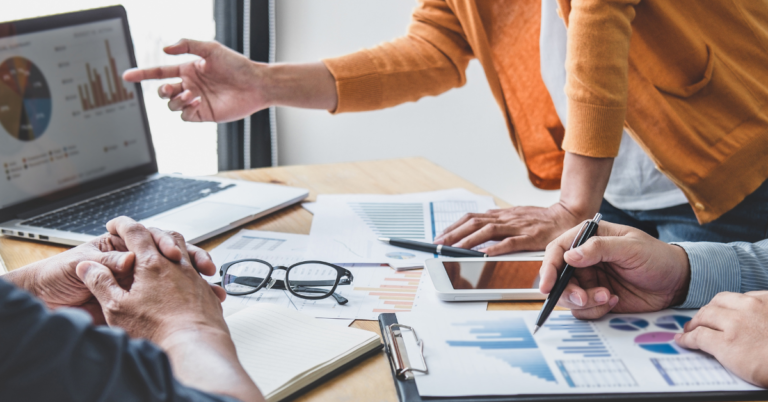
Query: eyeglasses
307, 280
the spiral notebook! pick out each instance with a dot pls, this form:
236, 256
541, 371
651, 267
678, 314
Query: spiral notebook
285, 351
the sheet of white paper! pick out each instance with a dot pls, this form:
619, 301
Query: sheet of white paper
309, 206
374, 290
494, 353
274, 247
346, 228
339, 323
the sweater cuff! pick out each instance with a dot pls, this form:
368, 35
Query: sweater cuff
714, 269
593, 131
358, 84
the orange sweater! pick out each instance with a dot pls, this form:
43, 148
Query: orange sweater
687, 78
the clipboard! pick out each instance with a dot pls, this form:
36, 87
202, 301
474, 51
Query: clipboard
403, 375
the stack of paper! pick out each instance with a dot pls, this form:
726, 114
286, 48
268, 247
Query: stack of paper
346, 228
284, 351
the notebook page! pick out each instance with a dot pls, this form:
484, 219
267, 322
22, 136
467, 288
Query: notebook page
275, 344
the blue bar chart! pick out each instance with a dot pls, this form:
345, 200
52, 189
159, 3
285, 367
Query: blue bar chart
596, 373
580, 337
392, 219
509, 341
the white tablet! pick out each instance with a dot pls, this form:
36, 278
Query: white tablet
495, 278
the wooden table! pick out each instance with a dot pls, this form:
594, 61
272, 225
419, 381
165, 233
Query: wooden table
370, 380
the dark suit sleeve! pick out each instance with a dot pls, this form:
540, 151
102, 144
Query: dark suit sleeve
61, 356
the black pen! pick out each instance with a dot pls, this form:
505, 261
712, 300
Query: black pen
433, 248
587, 230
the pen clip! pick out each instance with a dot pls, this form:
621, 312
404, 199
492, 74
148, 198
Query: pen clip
584, 227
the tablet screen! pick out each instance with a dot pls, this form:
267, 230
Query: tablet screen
493, 274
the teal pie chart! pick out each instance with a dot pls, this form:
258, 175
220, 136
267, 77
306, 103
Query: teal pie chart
672, 322
628, 323
25, 99
662, 343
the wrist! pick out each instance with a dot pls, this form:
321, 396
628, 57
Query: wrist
24, 278
683, 283
174, 336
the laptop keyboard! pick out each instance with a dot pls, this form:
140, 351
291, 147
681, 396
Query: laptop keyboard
138, 202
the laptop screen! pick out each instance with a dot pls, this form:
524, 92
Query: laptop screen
66, 115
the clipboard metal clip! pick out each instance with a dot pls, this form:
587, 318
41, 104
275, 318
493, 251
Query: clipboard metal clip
398, 354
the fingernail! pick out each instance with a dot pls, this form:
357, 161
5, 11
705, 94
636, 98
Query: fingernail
82, 269
601, 297
614, 301
575, 255
678, 336
576, 299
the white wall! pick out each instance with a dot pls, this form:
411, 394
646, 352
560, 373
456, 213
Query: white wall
462, 130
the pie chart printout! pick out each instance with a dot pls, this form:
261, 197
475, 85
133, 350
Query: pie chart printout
672, 322
25, 99
660, 343
628, 323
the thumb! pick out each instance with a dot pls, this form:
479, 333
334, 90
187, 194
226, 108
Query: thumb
599, 249
202, 49
100, 281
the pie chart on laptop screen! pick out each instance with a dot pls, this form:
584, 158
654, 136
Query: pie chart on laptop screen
25, 99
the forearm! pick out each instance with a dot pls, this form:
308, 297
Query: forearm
307, 85
583, 184
206, 359
23, 278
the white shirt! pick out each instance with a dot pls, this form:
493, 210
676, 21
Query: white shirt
635, 183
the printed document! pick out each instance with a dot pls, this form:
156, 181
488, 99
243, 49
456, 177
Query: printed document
375, 289
495, 353
346, 228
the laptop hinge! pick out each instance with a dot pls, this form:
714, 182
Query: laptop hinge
79, 197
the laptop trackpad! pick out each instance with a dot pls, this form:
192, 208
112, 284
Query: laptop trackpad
201, 218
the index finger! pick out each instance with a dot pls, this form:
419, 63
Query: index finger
137, 238
155, 73
554, 261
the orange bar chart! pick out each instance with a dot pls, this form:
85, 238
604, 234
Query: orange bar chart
396, 293
94, 94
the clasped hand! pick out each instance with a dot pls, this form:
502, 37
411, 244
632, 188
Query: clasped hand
56, 281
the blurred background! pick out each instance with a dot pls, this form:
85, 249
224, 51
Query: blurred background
462, 130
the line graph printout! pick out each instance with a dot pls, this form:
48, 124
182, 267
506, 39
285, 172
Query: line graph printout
494, 353
346, 228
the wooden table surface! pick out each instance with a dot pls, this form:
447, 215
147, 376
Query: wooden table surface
370, 380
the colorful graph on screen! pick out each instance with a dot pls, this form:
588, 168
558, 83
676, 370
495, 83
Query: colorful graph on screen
396, 292
510, 341
25, 99
95, 94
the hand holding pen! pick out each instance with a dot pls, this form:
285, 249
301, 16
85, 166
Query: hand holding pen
587, 230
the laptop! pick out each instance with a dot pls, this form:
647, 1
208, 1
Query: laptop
75, 145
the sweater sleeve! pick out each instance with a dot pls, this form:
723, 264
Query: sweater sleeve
429, 60
597, 65
61, 356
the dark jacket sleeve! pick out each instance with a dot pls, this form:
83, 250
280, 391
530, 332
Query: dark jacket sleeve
61, 356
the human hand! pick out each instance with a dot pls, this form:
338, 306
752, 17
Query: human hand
56, 283
222, 86
621, 269
166, 296
517, 228
732, 328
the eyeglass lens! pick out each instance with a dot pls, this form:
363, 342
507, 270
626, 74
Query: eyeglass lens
244, 277
312, 280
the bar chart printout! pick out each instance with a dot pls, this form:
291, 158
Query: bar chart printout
580, 337
396, 292
510, 341
95, 94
